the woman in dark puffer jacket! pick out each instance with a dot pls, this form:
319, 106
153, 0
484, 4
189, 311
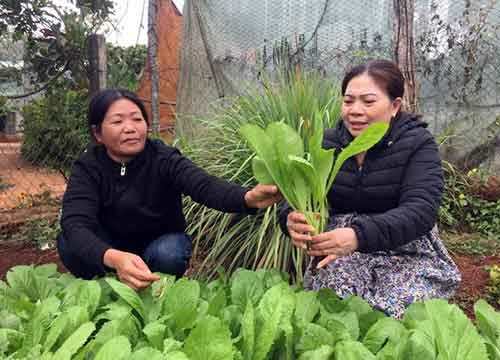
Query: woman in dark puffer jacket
382, 243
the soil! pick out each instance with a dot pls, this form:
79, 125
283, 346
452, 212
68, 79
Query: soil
474, 280
16, 253
22, 183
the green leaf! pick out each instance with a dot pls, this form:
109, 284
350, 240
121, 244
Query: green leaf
117, 348
217, 302
285, 139
84, 293
20, 279
352, 350
65, 325
75, 341
358, 305
367, 320
10, 340
248, 331
126, 326
363, 142
322, 353
387, 329
268, 149
46, 270
261, 172
302, 168
275, 310
455, 335
306, 308
209, 340
322, 161
146, 353
343, 325
128, 295
155, 332
36, 327
177, 355
246, 286
171, 345
335, 326
260, 142
9, 321
488, 321
419, 346
181, 302
330, 301
313, 336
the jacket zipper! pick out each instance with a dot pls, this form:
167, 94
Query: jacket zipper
123, 170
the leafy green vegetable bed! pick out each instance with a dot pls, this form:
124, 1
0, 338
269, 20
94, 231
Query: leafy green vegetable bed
252, 315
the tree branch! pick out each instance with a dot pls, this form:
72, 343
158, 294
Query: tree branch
47, 84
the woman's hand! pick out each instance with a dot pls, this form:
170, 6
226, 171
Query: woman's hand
298, 228
130, 268
262, 196
333, 244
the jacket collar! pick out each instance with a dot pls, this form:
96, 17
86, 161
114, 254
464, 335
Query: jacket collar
115, 166
398, 126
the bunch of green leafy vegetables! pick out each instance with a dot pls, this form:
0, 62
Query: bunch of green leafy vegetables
251, 315
299, 165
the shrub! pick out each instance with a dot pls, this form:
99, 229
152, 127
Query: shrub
465, 206
55, 128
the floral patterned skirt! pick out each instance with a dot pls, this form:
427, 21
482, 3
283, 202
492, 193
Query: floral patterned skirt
389, 280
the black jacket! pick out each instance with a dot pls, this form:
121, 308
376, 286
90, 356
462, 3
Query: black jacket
396, 193
141, 205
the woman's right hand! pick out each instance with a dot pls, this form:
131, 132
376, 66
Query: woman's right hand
130, 268
298, 228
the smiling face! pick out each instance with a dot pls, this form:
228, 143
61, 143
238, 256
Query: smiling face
366, 102
123, 131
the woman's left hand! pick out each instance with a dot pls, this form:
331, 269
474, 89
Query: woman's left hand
262, 196
333, 245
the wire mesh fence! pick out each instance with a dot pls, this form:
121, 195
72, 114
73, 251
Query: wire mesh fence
230, 45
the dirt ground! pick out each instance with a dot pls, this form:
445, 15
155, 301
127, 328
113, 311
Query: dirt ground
22, 183
474, 280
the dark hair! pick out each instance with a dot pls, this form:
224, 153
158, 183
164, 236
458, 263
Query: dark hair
101, 102
385, 73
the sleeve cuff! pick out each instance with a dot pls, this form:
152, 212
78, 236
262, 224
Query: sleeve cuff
359, 230
247, 209
96, 257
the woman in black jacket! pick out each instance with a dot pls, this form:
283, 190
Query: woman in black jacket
122, 209
382, 242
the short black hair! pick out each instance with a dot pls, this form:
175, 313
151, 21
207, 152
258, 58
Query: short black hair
101, 102
385, 73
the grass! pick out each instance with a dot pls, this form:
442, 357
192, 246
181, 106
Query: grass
471, 244
254, 241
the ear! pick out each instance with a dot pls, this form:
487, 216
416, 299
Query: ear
96, 134
396, 105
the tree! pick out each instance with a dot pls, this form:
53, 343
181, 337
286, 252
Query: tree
55, 38
404, 50
125, 66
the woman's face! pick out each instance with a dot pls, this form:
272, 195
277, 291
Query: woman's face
123, 131
364, 103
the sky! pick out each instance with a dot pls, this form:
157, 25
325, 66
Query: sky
128, 17
131, 28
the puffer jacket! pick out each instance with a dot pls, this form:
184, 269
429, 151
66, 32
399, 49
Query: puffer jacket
396, 193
